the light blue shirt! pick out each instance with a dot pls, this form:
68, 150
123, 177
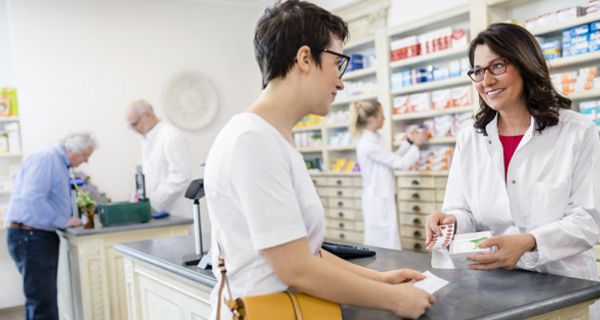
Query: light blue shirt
41, 196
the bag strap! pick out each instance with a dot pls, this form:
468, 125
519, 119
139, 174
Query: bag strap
233, 304
295, 305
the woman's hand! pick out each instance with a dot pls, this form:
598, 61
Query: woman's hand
510, 248
434, 220
409, 301
419, 136
401, 275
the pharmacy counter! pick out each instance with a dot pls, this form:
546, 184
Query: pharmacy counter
90, 279
159, 286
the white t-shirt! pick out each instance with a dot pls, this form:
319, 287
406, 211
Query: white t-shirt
259, 195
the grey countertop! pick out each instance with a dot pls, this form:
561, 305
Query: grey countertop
153, 223
470, 294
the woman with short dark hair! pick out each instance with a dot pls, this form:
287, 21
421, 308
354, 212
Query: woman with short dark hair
267, 219
529, 168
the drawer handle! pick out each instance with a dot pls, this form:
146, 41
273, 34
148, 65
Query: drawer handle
340, 214
340, 193
342, 236
417, 233
339, 182
341, 224
417, 246
340, 204
415, 182
415, 196
417, 221
416, 208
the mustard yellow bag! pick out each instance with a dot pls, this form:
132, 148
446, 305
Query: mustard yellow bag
277, 306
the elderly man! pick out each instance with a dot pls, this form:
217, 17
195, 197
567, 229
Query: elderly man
166, 159
40, 204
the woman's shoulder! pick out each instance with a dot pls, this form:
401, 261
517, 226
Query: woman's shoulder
570, 119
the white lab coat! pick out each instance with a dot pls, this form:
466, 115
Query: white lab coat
552, 191
378, 197
167, 168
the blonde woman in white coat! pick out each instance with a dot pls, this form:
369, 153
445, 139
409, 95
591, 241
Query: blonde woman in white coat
376, 165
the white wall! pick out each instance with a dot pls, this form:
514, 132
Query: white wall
6, 61
78, 64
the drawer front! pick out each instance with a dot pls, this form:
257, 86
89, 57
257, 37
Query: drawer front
441, 182
319, 181
357, 182
339, 181
346, 236
417, 207
341, 192
342, 213
597, 252
341, 224
323, 192
416, 233
413, 245
412, 220
324, 201
342, 203
416, 182
417, 195
358, 192
439, 194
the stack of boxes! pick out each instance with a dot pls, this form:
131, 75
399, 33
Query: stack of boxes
357, 88
309, 139
434, 41
360, 61
591, 110
576, 81
309, 121
551, 18
451, 69
434, 100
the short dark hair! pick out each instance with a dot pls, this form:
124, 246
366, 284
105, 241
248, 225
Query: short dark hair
522, 50
286, 27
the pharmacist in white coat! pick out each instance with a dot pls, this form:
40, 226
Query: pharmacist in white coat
376, 165
529, 168
166, 160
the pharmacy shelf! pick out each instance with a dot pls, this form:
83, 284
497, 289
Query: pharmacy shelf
427, 86
9, 119
421, 173
336, 125
507, 3
310, 150
360, 43
309, 128
460, 51
341, 148
345, 173
444, 140
589, 94
356, 98
591, 57
431, 113
359, 73
444, 18
559, 27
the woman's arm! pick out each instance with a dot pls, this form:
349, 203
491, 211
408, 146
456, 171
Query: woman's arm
297, 267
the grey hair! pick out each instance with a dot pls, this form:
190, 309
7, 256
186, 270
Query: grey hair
141, 107
78, 141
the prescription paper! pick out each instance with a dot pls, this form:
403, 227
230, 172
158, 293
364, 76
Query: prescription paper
431, 283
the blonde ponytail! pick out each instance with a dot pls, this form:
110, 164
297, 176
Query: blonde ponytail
360, 112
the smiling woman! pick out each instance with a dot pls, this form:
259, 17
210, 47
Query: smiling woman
528, 169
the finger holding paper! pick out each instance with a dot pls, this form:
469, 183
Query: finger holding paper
402, 275
509, 250
434, 220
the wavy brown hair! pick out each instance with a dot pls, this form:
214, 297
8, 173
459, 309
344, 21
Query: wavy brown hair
520, 47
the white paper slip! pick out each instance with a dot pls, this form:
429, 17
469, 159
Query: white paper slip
431, 283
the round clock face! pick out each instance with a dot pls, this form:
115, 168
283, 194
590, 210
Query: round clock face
192, 101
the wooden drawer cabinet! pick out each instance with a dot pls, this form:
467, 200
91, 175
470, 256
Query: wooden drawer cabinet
412, 219
416, 182
341, 196
416, 207
416, 194
413, 244
413, 232
441, 182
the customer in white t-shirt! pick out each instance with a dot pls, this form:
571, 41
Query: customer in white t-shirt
267, 219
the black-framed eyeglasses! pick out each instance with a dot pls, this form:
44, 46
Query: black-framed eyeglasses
342, 64
496, 67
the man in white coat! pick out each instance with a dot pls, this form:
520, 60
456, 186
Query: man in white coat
166, 159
